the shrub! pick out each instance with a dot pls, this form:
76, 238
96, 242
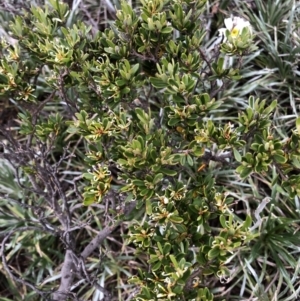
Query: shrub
131, 121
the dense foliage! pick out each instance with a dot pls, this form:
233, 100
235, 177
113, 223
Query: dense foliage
150, 159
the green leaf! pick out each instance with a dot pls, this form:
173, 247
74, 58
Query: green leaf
279, 158
139, 183
121, 82
167, 248
215, 252
134, 69
174, 261
237, 155
89, 201
148, 207
167, 30
175, 219
173, 121
156, 266
168, 172
190, 160
158, 177
270, 108
247, 222
158, 83
244, 171
144, 192
298, 125
223, 221
160, 247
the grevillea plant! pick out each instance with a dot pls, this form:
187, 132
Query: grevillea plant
143, 98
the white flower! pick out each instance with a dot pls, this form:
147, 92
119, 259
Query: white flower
235, 25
